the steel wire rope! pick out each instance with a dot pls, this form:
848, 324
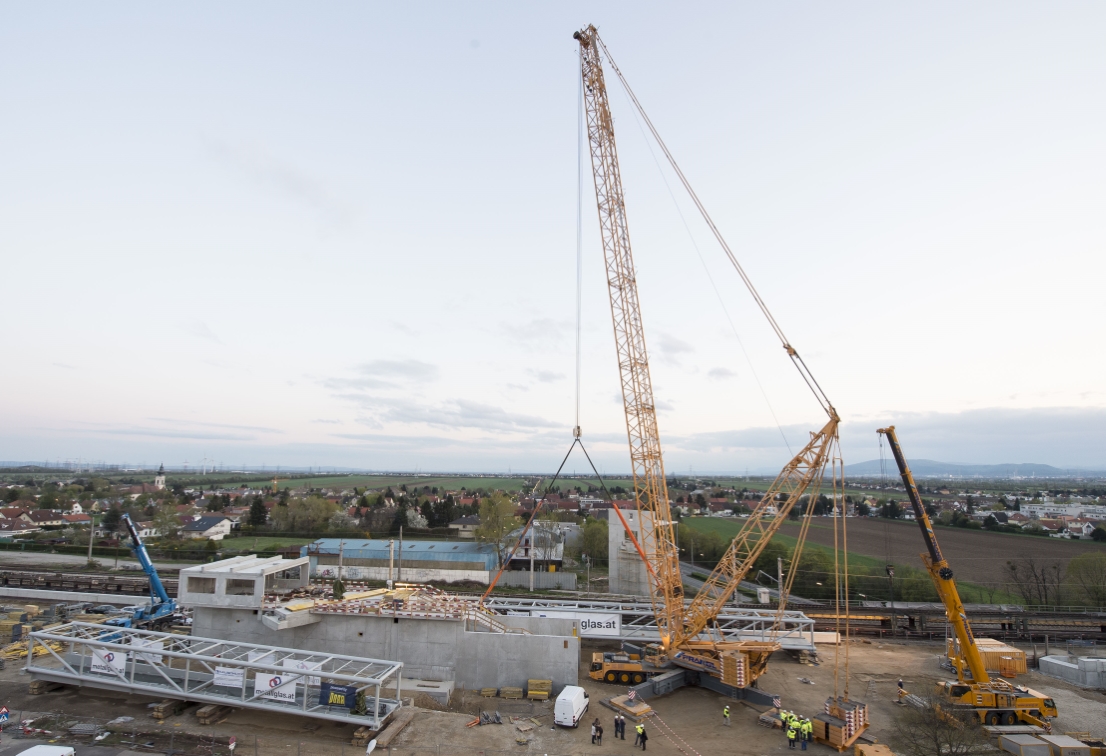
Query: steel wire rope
800, 365
713, 285
579, 236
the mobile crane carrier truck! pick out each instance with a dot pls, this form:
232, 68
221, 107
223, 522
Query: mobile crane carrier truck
993, 702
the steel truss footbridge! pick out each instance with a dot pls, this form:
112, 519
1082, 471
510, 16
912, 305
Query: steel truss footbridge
637, 623
243, 675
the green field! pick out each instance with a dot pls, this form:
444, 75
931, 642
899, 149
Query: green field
866, 569
262, 543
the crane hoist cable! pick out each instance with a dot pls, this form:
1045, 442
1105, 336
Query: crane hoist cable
800, 365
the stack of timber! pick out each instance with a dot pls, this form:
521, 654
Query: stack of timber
400, 720
213, 714
489, 692
10, 630
38, 687
170, 707
538, 690
510, 692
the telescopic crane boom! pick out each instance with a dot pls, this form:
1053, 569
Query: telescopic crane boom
994, 702
680, 626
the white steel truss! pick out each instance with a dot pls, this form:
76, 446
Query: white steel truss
209, 670
638, 623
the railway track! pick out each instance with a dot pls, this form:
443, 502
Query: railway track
83, 582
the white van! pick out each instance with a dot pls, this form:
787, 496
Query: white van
570, 706
48, 750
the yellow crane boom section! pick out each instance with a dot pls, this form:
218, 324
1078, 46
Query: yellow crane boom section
678, 624
939, 569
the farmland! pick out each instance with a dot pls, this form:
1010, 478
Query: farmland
978, 557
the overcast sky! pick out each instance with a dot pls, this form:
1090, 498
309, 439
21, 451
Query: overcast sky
345, 234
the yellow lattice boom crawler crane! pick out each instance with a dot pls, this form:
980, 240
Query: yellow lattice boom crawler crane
994, 702
688, 636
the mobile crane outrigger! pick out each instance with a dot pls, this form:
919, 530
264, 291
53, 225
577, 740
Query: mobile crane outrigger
994, 702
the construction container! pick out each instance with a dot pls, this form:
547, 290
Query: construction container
1003, 660
1023, 745
1064, 745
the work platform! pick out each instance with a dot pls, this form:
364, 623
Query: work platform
634, 620
243, 675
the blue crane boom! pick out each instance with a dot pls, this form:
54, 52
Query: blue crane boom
158, 595
159, 612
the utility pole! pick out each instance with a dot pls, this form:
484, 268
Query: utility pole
91, 534
341, 550
779, 578
399, 564
391, 560
891, 579
530, 542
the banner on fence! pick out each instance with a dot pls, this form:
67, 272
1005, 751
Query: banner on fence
108, 662
592, 624
303, 666
230, 677
274, 687
148, 643
337, 695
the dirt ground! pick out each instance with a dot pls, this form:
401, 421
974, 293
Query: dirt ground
689, 721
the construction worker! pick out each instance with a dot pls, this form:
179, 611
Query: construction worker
726, 715
806, 732
791, 733
644, 737
639, 731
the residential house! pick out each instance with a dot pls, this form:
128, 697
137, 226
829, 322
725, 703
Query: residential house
47, 518
12, 513
146, 529
10, 528
78, 519
213, 528
465, 527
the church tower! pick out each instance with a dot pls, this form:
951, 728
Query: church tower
159, 481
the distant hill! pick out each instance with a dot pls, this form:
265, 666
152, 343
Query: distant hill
928, 468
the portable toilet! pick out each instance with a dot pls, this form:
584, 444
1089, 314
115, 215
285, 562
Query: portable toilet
1023, 745
1065, 745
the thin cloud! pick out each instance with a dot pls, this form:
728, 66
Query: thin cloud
200, 330
281, 178
386, 374
230, 426
537, 333
720, 374
454, 413
546, 376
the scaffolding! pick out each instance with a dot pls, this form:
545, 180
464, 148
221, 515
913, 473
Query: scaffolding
208, 670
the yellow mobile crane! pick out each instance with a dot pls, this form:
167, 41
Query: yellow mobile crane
994, 702
682, 626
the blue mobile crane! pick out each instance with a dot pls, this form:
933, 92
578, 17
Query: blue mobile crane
158, 614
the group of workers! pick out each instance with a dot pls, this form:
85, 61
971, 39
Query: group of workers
796, 727
640, 736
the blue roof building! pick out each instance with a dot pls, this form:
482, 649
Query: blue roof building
358, 555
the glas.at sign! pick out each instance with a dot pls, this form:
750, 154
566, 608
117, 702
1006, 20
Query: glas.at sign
274, 687
108, 662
